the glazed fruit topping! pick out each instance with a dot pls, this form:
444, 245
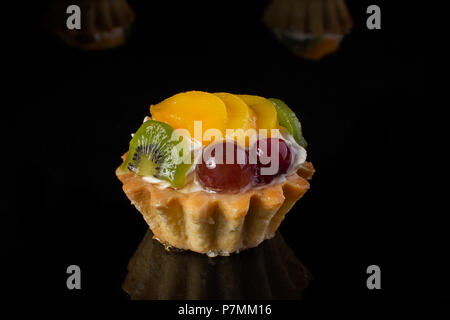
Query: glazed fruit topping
288, 120
152, 152
225, 125
221, 171
225, 168
268, 165
183, 109
266, 113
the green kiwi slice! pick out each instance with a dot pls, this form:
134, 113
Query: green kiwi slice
288, 120
157, 151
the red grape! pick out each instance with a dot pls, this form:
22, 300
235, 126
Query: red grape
217, 173
262, 149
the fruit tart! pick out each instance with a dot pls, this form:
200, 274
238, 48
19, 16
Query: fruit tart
216, 173
311, 29
105, 24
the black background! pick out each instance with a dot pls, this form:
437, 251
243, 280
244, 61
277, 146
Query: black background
360, 107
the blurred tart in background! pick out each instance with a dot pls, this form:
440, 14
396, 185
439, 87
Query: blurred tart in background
105, 24
312, 29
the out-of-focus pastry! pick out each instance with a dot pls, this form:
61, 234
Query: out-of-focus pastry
270, 271
105, 24
310, 28
220, 193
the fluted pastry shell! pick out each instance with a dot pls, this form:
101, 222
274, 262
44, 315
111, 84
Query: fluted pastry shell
318, 17
213, 223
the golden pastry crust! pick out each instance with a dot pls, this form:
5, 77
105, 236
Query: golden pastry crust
213, 223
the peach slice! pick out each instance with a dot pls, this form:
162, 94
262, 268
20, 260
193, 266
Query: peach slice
266, 114
182, 109
240, 116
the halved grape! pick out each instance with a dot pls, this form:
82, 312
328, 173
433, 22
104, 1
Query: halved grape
224, 168
274, 165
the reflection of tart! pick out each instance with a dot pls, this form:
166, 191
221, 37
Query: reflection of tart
271, 271
312, 29
189, 198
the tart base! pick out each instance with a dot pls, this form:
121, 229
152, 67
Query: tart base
213, 223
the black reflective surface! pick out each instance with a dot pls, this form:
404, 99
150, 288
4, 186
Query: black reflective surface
365, 111
269, 271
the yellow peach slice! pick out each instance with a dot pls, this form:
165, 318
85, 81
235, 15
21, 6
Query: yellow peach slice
266, 114
181, 110
241, 119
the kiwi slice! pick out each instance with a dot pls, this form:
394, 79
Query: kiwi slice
154, 152
288, 120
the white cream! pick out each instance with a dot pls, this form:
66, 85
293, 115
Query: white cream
158, 182
191, 187
161, 184
298, 153
196, 147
